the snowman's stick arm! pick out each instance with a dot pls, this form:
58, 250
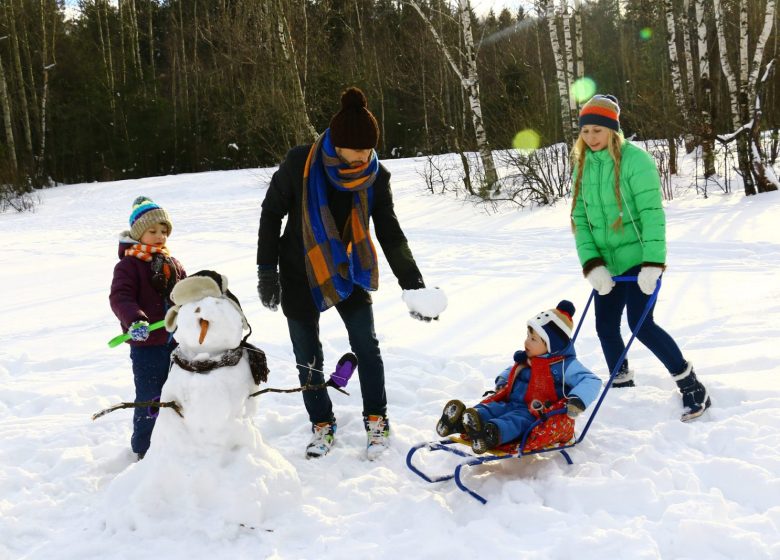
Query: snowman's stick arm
169, 404
119, 339
298, 389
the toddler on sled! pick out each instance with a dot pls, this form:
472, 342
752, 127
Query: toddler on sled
546, 376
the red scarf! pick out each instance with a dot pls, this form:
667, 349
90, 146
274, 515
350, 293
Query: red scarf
540, 386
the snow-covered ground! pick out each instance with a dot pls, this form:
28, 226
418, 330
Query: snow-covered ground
643, 485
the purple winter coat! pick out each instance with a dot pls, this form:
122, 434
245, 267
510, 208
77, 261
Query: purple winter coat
133, 298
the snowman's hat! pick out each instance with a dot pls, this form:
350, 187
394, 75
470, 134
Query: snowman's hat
204, 283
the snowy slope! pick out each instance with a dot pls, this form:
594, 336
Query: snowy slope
644, 485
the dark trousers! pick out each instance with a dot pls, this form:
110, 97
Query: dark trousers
305, 337
609, 311
150, 371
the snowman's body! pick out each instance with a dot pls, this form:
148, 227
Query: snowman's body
212, 462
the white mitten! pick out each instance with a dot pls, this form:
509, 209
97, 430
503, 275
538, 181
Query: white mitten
648, 278
601, 280
425, 304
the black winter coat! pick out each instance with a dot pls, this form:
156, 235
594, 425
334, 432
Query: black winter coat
284, 199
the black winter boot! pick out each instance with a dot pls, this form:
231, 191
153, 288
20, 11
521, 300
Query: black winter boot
451, 419
624, 377
694, 394
483, 435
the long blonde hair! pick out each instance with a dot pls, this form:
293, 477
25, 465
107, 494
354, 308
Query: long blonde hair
614, 145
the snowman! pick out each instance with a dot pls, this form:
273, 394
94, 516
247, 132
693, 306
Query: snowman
208, 465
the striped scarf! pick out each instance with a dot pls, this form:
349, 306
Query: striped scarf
163, 268
145, 252
334, 262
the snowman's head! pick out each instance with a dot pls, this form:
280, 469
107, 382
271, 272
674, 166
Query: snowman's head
206, 316
209, 325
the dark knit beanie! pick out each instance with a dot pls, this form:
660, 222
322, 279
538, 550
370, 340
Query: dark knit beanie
146, 214
601, 110
354, 126
554, 326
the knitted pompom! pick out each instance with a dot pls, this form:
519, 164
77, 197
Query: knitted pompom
567, 307
353, 98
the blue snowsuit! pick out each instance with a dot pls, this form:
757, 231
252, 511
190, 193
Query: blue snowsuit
512, 415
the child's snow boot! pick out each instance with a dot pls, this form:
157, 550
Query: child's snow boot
451, 419
377, 434
483, 435
324, 434
694, 395
624, 377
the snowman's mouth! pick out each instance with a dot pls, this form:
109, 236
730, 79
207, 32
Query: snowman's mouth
204, 327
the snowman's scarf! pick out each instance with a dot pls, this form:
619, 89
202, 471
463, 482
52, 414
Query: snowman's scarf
257, 362
228, 358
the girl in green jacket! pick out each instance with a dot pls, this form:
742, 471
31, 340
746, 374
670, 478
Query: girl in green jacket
620, 229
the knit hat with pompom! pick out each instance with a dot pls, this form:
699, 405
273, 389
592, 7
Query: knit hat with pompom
554, 326
145, 214
354, 126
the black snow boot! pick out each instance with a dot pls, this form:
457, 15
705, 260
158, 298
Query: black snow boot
624, 377
483, 435
451, 419
694, 394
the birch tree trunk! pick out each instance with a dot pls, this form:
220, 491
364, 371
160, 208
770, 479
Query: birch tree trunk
122, 50
728, 74
304, 128
569, 57
741, 95
685, 24
560, 72
545, 95
677, 86
764, 174
105, 47
705, 92
44, 96
578, 38
472, 90
743, 157
9, 130
22, 94
470, 84
150, 32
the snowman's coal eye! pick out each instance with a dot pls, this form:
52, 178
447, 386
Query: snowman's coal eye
197, 310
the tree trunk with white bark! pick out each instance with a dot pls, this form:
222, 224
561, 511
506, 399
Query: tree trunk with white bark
470, 84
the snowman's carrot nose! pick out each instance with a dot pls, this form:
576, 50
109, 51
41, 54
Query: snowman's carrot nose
204, 327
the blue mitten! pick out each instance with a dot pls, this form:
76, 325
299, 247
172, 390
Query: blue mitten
139, 331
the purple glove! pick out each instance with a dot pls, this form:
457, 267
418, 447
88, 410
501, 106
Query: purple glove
344, 370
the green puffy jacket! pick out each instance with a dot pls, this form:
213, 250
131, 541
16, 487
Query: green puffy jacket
642, 239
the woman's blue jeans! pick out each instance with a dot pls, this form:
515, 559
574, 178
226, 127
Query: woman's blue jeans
609, 311
305, 337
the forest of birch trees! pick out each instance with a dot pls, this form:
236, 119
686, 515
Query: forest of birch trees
111, 89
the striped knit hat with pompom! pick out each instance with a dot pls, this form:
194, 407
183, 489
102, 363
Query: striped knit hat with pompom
146, 214
554, 326
601, 110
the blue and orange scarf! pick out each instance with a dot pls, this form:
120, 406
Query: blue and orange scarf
336, 262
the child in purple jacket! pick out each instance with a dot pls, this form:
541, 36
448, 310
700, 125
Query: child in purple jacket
140, 295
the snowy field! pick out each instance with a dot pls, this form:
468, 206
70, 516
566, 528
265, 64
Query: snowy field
643, 484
